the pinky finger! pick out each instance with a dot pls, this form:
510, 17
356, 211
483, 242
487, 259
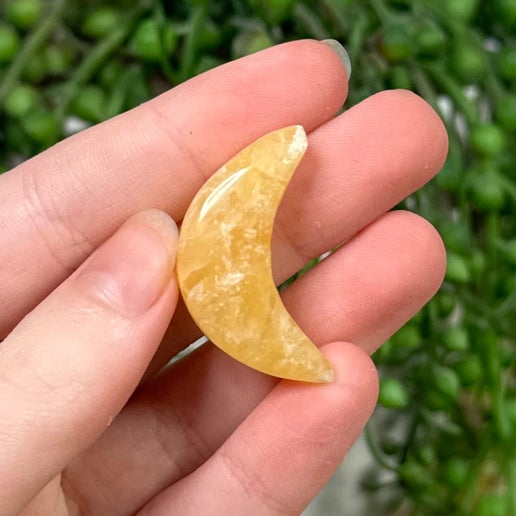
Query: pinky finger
286, 450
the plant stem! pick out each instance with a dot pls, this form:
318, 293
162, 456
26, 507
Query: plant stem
310, 21
31, 45
424, 86
191, 42
493, 238
511, 481
455, 92
483, 315
98, 55
493, 84
436, 9
374, 451
409, 439
501, 422
160, 16
494, 371
470, 490
340, 20
509, 186
382, 11
120, 91
357, 36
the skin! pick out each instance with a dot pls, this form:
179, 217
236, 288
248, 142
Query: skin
88, 290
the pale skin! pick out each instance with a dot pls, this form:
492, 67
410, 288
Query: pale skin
88, 290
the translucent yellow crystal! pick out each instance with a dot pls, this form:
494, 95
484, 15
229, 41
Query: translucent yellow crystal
224, 261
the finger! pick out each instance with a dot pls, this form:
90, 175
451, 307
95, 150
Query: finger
70, 365
284, 452
156, 155
373, 285
357, 167
174, 421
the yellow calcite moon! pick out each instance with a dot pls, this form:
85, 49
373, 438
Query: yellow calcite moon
224, 261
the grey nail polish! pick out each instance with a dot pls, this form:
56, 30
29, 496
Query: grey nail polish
341, 52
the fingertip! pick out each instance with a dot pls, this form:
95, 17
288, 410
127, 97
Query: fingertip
132, 270
345, 403
166, 227
341, 53
355, 371
328, 62
432, 247
425, 245
428, 120
409, 124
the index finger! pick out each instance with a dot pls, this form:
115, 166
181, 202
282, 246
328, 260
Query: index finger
57, 207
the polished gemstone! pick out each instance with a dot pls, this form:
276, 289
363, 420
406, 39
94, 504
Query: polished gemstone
224, 261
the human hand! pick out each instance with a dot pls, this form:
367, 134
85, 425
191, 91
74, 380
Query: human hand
207, 435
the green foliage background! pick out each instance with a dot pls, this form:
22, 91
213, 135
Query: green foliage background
448, 375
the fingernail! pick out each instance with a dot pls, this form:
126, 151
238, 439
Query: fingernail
130, 270
341, 52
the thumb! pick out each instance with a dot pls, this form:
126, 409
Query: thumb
69, 367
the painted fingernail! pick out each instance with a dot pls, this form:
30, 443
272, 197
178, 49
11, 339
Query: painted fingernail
341, 52
130, 271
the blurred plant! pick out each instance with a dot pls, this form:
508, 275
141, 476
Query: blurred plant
449, 373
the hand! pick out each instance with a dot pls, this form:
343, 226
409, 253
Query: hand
86, 303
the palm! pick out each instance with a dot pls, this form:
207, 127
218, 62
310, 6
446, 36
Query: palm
208, 432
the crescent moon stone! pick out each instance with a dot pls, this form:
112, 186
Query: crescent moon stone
224, 261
